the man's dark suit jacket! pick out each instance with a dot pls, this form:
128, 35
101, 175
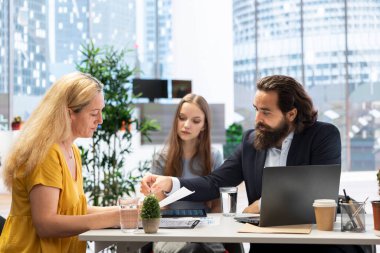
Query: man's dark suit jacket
318, 144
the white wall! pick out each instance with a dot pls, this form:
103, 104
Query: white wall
202, 49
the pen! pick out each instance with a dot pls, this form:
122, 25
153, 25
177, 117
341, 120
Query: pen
355, 214
360, 208
346, 198
348, 209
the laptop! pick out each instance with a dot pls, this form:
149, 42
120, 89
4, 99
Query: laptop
288, 193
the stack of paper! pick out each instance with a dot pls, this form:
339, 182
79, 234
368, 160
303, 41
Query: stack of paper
181, 193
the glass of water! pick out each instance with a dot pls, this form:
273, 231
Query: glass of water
129, 215
228, 201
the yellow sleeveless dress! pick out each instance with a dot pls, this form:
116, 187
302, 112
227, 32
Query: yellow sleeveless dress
19, 235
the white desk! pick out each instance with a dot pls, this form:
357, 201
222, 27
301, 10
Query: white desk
226, 232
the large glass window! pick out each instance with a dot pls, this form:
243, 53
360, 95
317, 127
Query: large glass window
331, 46
4, 42
40, 41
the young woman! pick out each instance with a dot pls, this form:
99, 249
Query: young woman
188, 154
44, 172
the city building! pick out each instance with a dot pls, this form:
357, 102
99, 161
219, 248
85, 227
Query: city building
331, 46
156, 45
45, 40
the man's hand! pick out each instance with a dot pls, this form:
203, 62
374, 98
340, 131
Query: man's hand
154, 183
253, 208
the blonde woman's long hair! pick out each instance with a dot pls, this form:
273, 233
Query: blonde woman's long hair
174, 144
50, 122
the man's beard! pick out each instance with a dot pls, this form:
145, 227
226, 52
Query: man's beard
269, 137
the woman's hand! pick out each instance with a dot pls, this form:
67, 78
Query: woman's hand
154, 183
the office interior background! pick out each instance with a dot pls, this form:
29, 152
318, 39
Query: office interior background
222, 46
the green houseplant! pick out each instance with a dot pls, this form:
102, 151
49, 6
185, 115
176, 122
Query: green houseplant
234, 135
105, 159
150, 214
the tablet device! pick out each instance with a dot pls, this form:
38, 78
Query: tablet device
166, 213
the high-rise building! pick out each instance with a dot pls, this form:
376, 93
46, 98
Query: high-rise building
113, 23
331, 46
157, 43
29, 49
24, 53
41, 41
3, 46
69, 29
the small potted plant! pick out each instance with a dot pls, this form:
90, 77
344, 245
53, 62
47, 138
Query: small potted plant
150, 214
16, 123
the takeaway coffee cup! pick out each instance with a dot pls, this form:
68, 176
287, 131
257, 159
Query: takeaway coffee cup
325, 210
376, 216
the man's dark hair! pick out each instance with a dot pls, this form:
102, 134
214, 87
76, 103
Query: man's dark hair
291, 94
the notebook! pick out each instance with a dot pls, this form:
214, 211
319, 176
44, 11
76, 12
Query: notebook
288, 192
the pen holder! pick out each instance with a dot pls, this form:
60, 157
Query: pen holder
352, 216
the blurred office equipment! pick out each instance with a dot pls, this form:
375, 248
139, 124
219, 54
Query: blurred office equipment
180, 88
150, 88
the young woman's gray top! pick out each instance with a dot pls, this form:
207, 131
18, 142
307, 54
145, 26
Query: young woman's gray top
158, 166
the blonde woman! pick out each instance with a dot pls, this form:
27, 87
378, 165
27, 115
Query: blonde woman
44, 172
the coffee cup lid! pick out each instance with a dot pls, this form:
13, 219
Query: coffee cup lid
324, 203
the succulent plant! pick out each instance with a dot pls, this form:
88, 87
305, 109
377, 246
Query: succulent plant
150, 208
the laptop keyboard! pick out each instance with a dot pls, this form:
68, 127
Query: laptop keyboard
250, 220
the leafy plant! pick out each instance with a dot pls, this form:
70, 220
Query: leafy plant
105, 160
17, 119
234, 135
150, 208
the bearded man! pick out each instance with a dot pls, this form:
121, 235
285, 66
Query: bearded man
286, 133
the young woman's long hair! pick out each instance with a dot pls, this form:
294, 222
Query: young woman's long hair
49, 123
174, 149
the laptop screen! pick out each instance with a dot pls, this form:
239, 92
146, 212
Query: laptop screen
288, 192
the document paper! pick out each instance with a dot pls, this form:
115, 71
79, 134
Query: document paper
181, 193
178, 222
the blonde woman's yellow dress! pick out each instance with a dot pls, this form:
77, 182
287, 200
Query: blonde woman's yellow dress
19, 235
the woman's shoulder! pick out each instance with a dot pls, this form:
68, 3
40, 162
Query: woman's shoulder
55, 151
160, 155
217, 156
158, 162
